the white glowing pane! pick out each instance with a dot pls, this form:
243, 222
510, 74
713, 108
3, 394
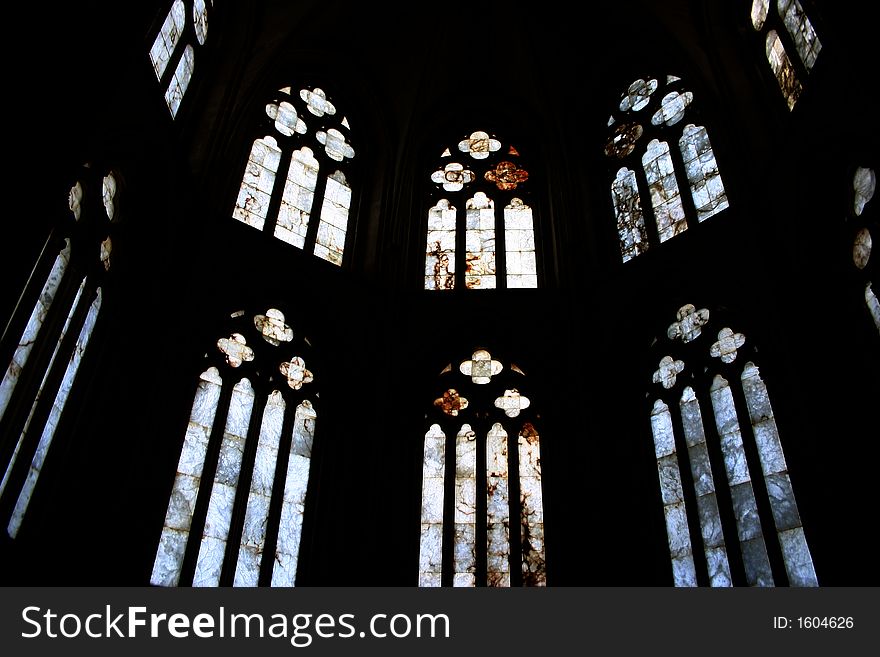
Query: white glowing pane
298, 197
464, 547
512, 402
52, 421
219, 516
42, 387
108, 194
253, 536
689, 324
759, 13
180, 82
704, 487
453, 177
806, 41
795, 553
668, 371
272, 327
334, 144
74, 200
440, 249
286, 120
782, 68
727, 345
638, 95
257, 184
677, 533
862, 246
702, 172
316, 101
296, 373
481, 368
672, 108
665, 198
480, 242
497, 508
330, 242
178, 518
32, 328
166, 40
628, 210
873, 304
479, 145
745, 507
531, 508
296, 484
431, 542
200, 20
864, 184
519, 241
235, 349
799, 561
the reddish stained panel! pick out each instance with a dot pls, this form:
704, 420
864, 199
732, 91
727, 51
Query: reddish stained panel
623, 141
451, 402
272, 327
782, 68
296, 373
236, 350
506, 175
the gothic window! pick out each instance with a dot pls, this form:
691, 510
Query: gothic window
183, 32
481, 232
656, 157
297, 180
51, 330
482, 436
728, 502
862, 219
235, 514
787, 29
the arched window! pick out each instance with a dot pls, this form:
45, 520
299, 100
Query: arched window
183, 32
785, 29
482, 437
481, 218
672, 167
306, 158
863, 221
235, 514
724, 481
47, 338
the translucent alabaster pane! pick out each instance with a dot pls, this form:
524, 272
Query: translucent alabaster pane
200, 20
253, 536
175, 533
330, 242
295, 487
480, 243
663, 187
52, 421
628, 210
707, 189
440, 249
257, 184
497, 508
219, 516
166, 40
433, 472
519, 238
179, 84
464, 556
806, 41
297, 198
32, 328
533, 559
